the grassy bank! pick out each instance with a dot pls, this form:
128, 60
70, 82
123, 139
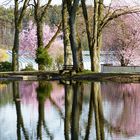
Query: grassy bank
83, 76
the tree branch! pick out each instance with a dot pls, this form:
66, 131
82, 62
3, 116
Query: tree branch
69, 5
23, 10
54, 37
117, 13
86, 19
45, 9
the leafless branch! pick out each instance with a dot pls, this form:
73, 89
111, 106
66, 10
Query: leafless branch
45, 9
117, 13
54, 37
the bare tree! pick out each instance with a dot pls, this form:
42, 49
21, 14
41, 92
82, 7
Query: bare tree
72, 7
19, 13
39, 13
101, 17
65, 28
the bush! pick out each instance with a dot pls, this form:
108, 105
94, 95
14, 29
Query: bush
42, 57
29, 67
5, 66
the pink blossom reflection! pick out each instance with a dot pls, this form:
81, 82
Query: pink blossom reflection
28, 94
124, 108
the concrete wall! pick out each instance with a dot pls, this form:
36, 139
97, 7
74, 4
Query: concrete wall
120, 69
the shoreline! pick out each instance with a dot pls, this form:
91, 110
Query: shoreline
54, 75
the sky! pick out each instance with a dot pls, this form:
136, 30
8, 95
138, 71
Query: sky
127, 2
53, 2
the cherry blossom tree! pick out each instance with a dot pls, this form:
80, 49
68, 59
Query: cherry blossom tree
28, 43
123, 39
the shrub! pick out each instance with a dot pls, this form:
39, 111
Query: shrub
42, 57
29, 67
5, 66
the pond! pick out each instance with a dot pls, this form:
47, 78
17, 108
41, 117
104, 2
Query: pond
43, 110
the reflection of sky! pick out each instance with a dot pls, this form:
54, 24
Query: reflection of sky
7, 117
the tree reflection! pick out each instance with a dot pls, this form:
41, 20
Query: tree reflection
76, 110
68, 109
20, 123
90, 115
73, 109
43, 92
83, 110
97, 102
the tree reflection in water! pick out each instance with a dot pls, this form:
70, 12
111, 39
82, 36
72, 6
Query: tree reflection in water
78, 111
99, 118
73, 110
43, 92
68, 109
95, 108
20, 122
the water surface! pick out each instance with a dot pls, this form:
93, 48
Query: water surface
82, 111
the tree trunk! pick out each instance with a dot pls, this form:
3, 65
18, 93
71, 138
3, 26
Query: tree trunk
94, 60
79, 55
67, 49
15, 50
88, 31
38, 16
97, 35
124, 62
73, 40
17, 21
95, 44
96, 54
40, 41
72, 9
